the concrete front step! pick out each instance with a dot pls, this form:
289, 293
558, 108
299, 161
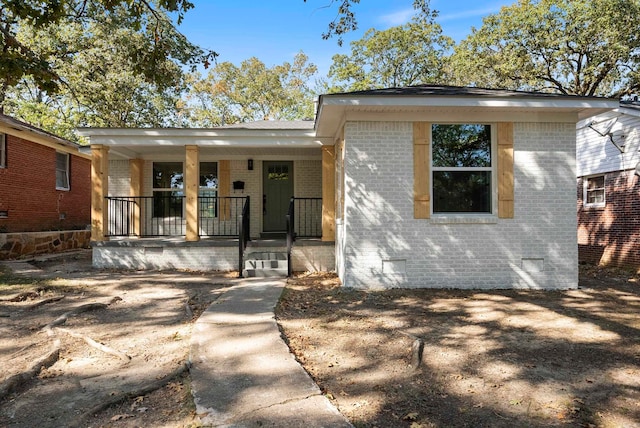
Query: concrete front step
265, 264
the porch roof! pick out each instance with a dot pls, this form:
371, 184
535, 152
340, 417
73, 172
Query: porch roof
262, 138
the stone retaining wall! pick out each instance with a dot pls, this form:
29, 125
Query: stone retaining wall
17, 245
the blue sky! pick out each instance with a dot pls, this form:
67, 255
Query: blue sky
274, 31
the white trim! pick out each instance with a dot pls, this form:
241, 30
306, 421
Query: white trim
585, 182
457, 217
66, 171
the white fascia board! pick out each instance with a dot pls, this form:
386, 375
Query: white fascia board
203, 138
113, 141
467, 115
193, 133
491, 102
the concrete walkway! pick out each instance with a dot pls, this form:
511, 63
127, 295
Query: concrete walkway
242, 372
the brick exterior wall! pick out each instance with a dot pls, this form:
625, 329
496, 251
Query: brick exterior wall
383, 246
28, 190
610, 235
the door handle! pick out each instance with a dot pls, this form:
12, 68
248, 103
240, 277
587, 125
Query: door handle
264, 204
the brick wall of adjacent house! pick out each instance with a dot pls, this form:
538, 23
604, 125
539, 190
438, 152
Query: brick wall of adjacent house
28, 190
384, 246
610, 235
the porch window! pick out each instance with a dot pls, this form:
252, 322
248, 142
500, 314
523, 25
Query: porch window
62, 171
462, 168
168, 192
208, 193
594, 192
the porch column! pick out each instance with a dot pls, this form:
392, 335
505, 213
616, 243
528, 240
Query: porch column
99, 190
135, 190
328, 193
192, 184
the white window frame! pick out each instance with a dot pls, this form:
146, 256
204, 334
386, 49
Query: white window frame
585, 191
3, 150
493, 169
67, 184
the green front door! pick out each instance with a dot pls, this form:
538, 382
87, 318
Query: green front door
277, 183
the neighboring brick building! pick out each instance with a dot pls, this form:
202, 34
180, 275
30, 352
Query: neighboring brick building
45, 182
609, 188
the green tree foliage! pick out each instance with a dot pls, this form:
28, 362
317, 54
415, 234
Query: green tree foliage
410, 54
578, 47
98, 81
252, 91
346, 20
42, 62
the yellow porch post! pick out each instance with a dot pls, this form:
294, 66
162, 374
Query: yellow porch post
192, 184
328, 193
99, 190
135, 190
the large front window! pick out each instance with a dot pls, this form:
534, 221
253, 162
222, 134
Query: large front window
168, 192
168, 189
461, 168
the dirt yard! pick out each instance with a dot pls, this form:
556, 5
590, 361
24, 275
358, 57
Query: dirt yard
425, 358
115, 345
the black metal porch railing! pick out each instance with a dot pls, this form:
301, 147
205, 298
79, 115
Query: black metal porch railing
306, 217
290, 234
245, 229
164, 215
304, 220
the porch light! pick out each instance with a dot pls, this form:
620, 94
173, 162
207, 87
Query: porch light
250, 164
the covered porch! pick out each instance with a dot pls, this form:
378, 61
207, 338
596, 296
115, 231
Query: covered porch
203, 199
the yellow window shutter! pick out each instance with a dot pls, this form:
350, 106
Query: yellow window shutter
224, 185
505, 170
421, 165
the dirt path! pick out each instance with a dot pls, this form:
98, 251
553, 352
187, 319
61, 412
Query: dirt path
108, 336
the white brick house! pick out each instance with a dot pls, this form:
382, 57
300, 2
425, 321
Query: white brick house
424, 186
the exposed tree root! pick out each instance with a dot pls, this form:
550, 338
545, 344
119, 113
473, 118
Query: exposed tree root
44, 302
118, 398
16, 381
96, 345
79, 310
22, 297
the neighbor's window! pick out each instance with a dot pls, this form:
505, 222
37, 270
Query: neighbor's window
62, 171
594, 195
3, 150
461, 168
208, 193
167, 189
